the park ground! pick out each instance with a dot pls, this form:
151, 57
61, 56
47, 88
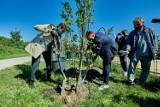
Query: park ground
14, 90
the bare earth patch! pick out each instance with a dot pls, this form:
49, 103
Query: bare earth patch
69, 97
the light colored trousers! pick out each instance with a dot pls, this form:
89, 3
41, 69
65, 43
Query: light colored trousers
145, 68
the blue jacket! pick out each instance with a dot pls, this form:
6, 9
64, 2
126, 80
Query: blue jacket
132, 40
107, 47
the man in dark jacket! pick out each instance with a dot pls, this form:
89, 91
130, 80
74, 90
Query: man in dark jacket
106, 49
141, 45
121, 41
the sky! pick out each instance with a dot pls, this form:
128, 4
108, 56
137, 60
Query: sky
23, 15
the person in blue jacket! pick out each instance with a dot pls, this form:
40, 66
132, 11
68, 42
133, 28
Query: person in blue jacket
141, 45
106, 48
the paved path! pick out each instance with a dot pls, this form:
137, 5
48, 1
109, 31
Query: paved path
13, 61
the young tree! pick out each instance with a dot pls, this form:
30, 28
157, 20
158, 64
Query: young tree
84, 15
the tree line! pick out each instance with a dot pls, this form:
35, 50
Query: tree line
14, 40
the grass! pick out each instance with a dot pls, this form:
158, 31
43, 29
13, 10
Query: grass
14, 91
10, 52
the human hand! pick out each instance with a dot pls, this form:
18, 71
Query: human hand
127, 52
56, 52
50, 30
90, 65
123, 53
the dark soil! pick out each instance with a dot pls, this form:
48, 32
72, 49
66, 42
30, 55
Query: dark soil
70, 97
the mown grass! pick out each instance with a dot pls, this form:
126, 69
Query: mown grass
10, 52
14, 91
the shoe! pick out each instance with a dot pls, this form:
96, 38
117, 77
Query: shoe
103, 86
49, 77
99, 78
130, 84
31, 84
141, 83
124, 73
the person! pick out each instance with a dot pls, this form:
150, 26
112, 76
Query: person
121, 40
43, 44
68, 52
141, 45
106, 48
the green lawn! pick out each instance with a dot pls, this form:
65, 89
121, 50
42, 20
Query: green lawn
10, 52
14, 91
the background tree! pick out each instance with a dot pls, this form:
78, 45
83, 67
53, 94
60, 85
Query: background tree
68, 16
15, 35
15, 40
109, 31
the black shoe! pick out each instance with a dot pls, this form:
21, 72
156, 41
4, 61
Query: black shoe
31, 84
130, 84
49, 79
141, 83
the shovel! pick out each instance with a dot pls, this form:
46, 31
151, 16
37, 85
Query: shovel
85, 75
65, 79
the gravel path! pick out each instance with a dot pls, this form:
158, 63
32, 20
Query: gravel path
13, 61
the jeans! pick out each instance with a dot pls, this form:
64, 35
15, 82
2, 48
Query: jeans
36, 61
123, 60
145, 65
106, 71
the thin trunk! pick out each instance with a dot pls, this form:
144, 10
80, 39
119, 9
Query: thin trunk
81, 58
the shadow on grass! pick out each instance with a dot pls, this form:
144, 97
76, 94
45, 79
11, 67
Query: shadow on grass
144, 102
25, 72
40, 75
94, 74
141, 101
71, 72
153, 85
118, 81
91, 74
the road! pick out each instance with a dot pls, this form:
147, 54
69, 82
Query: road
13, 61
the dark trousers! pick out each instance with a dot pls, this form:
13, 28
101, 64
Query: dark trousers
123, 60
68, 55
106, 71
36, 61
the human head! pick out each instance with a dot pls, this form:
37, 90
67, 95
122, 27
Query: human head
124, 32
119, 34
138, 23
90, 35
62, 26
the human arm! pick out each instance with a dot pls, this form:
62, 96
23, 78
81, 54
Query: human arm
44, 28
128, 42
154, 42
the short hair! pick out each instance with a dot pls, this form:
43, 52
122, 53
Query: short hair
63, 25
88, 33
125, 32
138, 19
119, 34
